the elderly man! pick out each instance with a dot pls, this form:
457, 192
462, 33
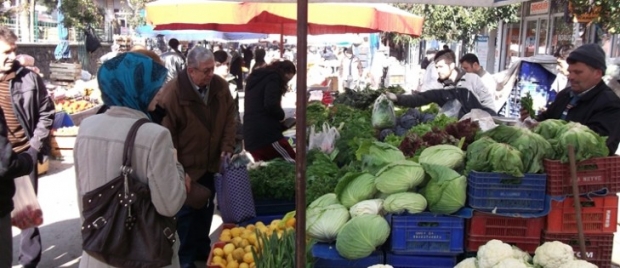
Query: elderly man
200, 114
471, 64
587, 100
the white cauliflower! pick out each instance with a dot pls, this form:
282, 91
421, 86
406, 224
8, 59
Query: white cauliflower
510, 263
578, 264
493, 252
468, 263
553, 254
521, 255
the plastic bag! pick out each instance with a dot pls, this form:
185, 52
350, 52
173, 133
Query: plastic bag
383, 113
27, 212
324, 140
451, 108
484, 119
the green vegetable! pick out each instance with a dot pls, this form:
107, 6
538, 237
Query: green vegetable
355, 128
399, 176
372, 207
355, 187
527, 103
383, 113
549, 128
374, 155
588, 144
359, 237
393, 140
273, 180
325, 200
316, 114
401, 202
504, 158
445, 191
445, 155
322, 174
478, 155
324, 223
534, 148
279, 251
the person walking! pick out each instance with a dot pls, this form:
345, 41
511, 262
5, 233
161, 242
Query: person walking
173, 59
29, 112
200, 114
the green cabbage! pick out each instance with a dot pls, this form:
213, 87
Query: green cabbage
446, 190
383, 115
324, 223
324, 200
374, 155
359, 237
399, 176
588, 144
549, 128
478, 155
504, 158
401, 202
533, 147
443, 155
372, 207
355, 187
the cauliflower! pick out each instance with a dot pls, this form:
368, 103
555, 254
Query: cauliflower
467, 263
521, 255
510, 263
381, 266
553, 254
578, 264
493, 252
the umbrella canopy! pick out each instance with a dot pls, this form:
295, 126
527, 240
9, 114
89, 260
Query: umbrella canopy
281, 18
470, 3
149, 31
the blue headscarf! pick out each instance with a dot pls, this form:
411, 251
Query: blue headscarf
130, 80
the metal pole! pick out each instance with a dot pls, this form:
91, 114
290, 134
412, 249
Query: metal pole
300, 185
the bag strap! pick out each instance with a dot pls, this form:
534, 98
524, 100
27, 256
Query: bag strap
129, 142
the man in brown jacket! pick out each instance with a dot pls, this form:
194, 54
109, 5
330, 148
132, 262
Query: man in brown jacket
200, 114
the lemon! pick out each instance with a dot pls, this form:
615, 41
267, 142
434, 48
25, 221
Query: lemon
244, 243
244, 265
259, 224
233, 264
252, 239
238, 254
226, 232
228, 248
216, 260
250, 227
229, 258
225, 238
237, 241
248, 258
218, 252
235, 232
248, 249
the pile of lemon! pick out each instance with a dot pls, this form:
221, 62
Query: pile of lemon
237, 253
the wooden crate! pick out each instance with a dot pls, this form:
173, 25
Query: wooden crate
65, 71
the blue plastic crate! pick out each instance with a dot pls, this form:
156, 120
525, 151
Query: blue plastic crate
426, 234
401, 261
326, 256
273, 206
487, 191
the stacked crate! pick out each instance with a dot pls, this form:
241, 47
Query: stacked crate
599, 212
491, 193
424, 240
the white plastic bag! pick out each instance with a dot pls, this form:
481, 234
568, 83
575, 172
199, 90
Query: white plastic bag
383, 115
484, 119
27, 211
324, 140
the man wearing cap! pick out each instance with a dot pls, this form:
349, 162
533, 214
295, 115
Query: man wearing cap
587, 100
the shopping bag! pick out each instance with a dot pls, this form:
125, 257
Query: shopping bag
27, 211
234, 193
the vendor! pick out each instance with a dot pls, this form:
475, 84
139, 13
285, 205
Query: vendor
587, 100
456, 102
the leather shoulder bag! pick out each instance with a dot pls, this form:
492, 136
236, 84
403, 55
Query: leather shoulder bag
121, 226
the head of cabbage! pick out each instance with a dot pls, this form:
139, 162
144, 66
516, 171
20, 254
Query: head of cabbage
399, 176
325, 200
401, 202
324, 223
355, 187
374, 155
359, 237
372, 207
444, 155
446, 191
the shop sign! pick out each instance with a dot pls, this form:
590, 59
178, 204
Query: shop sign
538, 8
586, 17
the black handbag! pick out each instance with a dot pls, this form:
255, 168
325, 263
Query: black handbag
92, 43
121, 226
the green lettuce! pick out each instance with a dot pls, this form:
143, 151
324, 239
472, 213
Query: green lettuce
504, 158
446, 191
588, 144
478, 155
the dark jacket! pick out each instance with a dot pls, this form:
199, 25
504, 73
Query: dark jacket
199, 140
441, 96
263, 110
174, 62
599, 109
11, 167
36, 112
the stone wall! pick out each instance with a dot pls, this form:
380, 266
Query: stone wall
44, 55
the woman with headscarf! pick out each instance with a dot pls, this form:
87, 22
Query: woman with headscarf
263, 118
128, 84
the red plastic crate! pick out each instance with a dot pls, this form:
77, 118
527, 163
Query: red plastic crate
598, 247
526, 244
592, 175
210, 259
599, 215
482, 224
